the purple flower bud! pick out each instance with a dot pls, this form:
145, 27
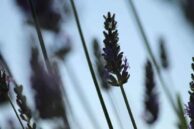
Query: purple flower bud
151, 97
190, 106
115, 65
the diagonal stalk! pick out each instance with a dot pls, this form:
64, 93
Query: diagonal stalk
150, 53
128, 107
15, 111
41, 41
43, 49
91, 67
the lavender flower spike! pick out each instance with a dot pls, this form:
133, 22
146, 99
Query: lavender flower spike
115, 64
151, 97
190, 106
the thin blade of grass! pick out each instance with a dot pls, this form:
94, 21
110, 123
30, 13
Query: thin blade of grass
151, 55
91, 67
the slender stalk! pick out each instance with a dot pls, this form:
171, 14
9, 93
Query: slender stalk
150, 53
14, 109
41, 41
91, 67
128, 107
81, 96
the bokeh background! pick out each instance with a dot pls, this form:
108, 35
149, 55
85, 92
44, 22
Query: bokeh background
160, 18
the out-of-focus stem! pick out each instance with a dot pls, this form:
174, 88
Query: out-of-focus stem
91, 67
41, 41
152, 58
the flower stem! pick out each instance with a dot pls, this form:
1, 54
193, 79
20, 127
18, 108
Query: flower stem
128, 107
150, 53
14, 109
91, 67
41, 41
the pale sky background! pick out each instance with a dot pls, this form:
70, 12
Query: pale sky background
159, 19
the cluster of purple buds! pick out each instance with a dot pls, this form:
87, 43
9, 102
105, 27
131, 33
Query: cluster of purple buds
25, 112
116, 66
190, 106
151, 97
4, 87
48, 96
163, 54
48, 17
188, 7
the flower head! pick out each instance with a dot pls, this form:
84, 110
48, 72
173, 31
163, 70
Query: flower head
48, 97
188, 8
116, 66
190, 106
163, 54
4, 87
151, 97
25, 112
48, 17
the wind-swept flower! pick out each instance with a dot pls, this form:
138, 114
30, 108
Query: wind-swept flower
163, 54
190, 106
116, 66
151, 96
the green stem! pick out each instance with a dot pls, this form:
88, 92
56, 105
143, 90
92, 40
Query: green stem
41, 41
150, 53
91, 67
14, 109
128, 107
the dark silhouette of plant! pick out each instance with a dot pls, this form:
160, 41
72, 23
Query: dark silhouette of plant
163, 54
48, 96
190, 105
4, 89
100, 62
48, 17
151, 96
182, 121
25, 112
116, 67
188, 8
152, 57
90, 66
